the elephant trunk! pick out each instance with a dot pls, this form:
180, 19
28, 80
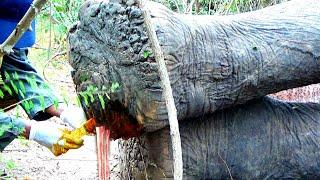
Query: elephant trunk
213, 62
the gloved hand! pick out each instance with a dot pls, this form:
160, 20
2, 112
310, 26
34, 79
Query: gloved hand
58, 140
74, 116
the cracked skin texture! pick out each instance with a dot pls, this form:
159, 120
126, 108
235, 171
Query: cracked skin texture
214, 62
261, 139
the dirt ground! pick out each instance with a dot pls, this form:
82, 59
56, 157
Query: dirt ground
24, 159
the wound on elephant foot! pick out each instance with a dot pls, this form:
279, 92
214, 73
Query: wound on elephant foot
117, 119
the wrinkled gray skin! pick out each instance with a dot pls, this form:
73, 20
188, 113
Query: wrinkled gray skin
263, 139
214, 62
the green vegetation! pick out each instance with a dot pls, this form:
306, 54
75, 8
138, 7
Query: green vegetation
9, 165
213, 7
56, 18
49, 55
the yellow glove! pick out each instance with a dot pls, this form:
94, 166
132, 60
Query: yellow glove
58, 140
73, 139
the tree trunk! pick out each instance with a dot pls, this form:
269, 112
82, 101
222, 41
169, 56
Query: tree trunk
213, 62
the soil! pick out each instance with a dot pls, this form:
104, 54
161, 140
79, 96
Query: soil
24, 159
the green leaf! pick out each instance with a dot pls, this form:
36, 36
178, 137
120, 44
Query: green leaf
102, 102
146, 53
115, 87
91, 97
55, 103
10, 164
78, 101
4, 128
17, 113
31, 104
26, 106
83, 77
104, 88
85, 98
107, 96
59, 7
33, 82
28, 80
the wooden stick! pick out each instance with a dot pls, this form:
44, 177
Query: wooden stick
167, 92
22, 26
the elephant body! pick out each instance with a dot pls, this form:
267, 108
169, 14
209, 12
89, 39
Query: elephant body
220, 68
262, 139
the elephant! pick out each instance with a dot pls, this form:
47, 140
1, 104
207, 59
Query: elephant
220, 69
264, 138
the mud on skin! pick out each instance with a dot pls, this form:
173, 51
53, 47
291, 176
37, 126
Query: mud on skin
213, 62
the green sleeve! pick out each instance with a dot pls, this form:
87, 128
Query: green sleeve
10, 128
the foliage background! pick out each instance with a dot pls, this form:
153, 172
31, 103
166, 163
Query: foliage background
49, 54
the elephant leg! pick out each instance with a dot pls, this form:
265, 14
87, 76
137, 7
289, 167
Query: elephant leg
262, 139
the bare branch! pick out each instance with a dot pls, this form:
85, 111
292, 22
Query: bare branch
22, 26
167, 93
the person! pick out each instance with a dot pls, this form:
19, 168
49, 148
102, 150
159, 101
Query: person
24, 83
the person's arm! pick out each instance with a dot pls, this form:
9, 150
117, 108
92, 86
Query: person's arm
72, 115
57, 139
10, 128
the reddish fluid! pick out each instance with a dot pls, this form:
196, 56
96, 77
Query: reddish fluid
103, 146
